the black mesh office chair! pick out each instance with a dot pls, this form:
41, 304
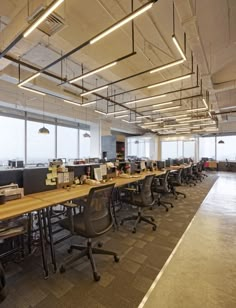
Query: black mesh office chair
161, 187
175, 179
141, 198
95, 220
2, 284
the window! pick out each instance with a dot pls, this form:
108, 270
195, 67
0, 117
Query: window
67, 142
12, 139
139, 147
169, 149
207, 147
189, 149
40, 147
84, 144
227, 149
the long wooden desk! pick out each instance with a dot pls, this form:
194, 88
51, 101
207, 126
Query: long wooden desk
42, 201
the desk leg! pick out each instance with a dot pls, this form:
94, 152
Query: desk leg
44, 258
53, 256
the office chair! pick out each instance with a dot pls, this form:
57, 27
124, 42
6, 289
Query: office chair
2, 284
161, 187
140, 198
175, 179
95, 220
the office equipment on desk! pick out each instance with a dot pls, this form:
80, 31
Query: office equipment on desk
103, 168
161, 164
98, 174
11, 192
142, 165
168, 163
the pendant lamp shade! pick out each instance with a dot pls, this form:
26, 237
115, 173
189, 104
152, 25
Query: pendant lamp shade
221, 142
43, 130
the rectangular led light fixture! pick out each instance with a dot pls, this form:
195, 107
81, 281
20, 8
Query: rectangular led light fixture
32, 90
166, 109
163, 67
28, 79
178, 47
196, 120
93, 90
93, 72
226, 108
174, 117
38, 21
145, 99
169, 81
122, 22
72, 103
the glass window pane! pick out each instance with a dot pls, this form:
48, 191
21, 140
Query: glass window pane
180, 149
207, 148
189, 149
84, 144
40, 147
226, 150
67, 142
12, 139
168, 149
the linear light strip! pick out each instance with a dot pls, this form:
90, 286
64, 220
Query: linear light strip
196, 120
93, 90
163, 67
165, 109
197, 109
132, 122
93, 72
178, 47
121, 116
100, 112
71, 102
162, 104
32, 90
89, 103
205, 103
174, 117
28, 79
168, 81
48, 11
145, 99
143, 117
116, 112
123, 21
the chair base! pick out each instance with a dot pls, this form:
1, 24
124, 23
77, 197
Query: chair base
138, 218
164, 204
88, 251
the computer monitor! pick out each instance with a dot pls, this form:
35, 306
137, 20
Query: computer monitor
160, 164
175, 162
168, 163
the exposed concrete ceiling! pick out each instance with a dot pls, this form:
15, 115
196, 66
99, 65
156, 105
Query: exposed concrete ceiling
210, 28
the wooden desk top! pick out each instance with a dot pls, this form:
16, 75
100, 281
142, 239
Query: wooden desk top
22, 206
45, 199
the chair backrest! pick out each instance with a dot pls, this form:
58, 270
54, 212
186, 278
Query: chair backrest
2, 284
146, 190
97, 212
165, 183
179, 175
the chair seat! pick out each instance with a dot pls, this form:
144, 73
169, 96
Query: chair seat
80, 227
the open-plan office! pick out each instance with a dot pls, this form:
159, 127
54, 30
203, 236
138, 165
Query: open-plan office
118, 157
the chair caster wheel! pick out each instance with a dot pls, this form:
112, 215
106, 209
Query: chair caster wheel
100, 244
117, 259
154, 228
167, 210
62, 269
172, 205
184, 196
134, 230
121, 223
96, 276
152, 219
69, 250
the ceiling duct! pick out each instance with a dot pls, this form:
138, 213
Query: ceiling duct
52, 24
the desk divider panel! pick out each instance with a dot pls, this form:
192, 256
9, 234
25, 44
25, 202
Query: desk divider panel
11, 176
34, 180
